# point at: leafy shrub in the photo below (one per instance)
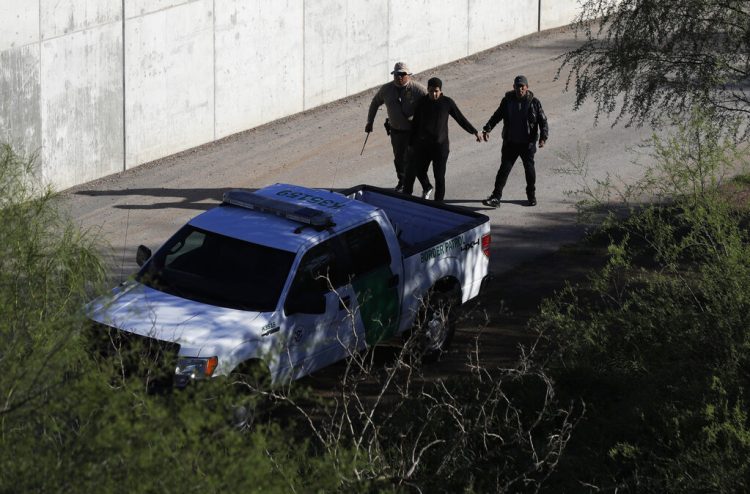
(657, 344)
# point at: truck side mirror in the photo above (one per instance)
(142, 255)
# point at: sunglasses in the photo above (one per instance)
(401, 74)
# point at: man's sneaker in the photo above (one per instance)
(399, 187)
(492, 201)
(532, 201)
(426, 194)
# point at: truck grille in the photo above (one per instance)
(131, 356)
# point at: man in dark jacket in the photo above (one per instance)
(429, 137)
(524, 122)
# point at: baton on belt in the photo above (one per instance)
(363, 145)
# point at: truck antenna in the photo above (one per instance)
(124, 245)
(335, 173)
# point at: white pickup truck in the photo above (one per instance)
(298, 278)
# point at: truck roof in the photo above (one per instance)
(275, 228)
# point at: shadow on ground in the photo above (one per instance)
(196, 199)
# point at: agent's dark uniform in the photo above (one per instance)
(524, 122)
(430, 138)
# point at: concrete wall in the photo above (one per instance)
(20, 116)
(259, 62)
(98, 86)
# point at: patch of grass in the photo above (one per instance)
(742, 180)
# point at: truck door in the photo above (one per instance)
(374, 278)
(344, 297)
(317, 310)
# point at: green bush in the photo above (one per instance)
(657, 344)
(47, 271)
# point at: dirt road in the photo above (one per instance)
(321, 148)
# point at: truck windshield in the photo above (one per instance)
(206, 267)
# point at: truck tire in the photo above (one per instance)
(438, 324)
(251, 379)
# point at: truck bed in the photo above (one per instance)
(419, 223)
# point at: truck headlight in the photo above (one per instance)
(195, 367)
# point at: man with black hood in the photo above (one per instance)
(524, 122)
(429, 137)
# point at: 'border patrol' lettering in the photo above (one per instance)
(441, 249)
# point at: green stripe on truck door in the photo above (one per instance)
(378, 304)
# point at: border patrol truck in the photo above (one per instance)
(296, 279)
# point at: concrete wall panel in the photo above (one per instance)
(259, 62)
(558, 13)
(58, 17)
(326, 50)
(345, 40)
(368, 61)
(169, 82)
(81, 105)
(426, 33)
(20, 123)
(490, 25)
(19, 23)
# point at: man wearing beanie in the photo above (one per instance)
(399, 97)
(524, 122)
(429, 136)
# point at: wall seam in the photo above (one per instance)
(124, 102)
(41, 88)
(346, 36)
(389, 60)
(304, 56)
(539, 17)
(213, 8)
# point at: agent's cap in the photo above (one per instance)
(401, 67)
(435, 82)
(520, 80)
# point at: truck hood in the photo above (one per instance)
(200, 329)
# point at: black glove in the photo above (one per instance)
(387, 125)
(368, 128)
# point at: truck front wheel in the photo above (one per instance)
(251, 379)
